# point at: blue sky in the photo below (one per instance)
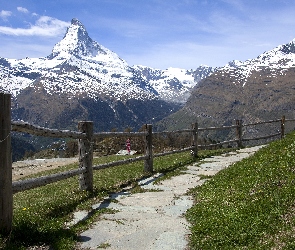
(155, 33)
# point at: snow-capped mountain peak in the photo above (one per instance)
(282, 55)
(77, 43)
(288, 48)
(277, 60)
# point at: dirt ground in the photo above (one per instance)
(24, 168)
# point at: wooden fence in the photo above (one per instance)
(86, 137)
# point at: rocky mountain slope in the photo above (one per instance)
(82, 79)
(259, 89)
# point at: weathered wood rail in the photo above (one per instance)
(86, 137)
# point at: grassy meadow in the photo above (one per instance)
(250, 205)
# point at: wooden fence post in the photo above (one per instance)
(283, 127)
(148, 164)
(195, 139)
(6, 197)
(239, 132)
(85, 148)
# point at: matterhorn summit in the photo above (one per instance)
(77, 42)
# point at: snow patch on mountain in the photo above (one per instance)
(277, 60)
(173, 83)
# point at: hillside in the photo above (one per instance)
(249, 205)
(256, 90)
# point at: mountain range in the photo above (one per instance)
(259, 89)
(83, 80)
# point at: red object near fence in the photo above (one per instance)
(128, 145)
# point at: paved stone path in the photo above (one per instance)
(153, 220)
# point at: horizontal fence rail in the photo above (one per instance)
(218, 128)
(40, 131)
(173, 132)
(262, 137)
(173, 152)
(118, 134)
(86, 138)
(118, 163)
(262, 122)
(18, 186)
(217, 144)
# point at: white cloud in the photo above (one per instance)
(4, 14)
(44, 26)
(22, 9)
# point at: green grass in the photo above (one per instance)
(40, 215)
(249, 205)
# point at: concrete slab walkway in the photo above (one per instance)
(153, 219)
